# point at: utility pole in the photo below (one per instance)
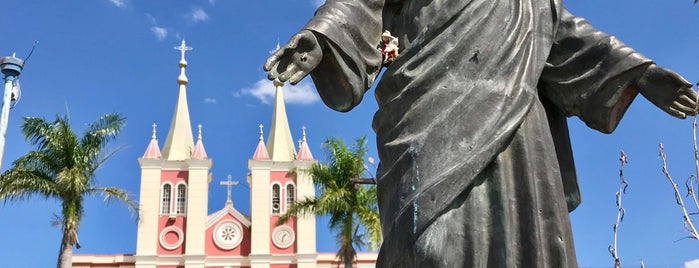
(11, 67)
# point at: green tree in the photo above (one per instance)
(352, 208)
(62, 167)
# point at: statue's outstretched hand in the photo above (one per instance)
(669, 91)
(296, 59)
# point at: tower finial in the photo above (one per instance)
(261, 132)
(183, 48)
(154, 125)
(229, 183)
(303, 133)
(199, 137)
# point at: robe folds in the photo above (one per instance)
(476, 166)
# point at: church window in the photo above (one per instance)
(290, 195)
(181, 198)
(276, 193)
(166, 198)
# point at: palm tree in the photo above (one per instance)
(63, 168)
(352, 208)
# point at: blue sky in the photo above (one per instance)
(102, 56)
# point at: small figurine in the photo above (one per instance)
(389, 47)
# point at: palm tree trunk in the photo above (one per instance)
(65, 254)
(348, 259)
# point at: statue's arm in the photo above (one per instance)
(342, 57)
(595, 76)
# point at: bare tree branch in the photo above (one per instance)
(623, 184)
(678, 197)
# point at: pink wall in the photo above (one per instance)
(282, 266)
(282, 177)
(227, 266)
(241, 250)
(174, 177)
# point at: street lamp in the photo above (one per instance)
(11, 67)
(372, 180)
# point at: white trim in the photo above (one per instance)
(160, 200)
(286, 191)
(216, 216)
(289, 231)
(177, 195)
(177, 231)
(271, 198)
(228, 245)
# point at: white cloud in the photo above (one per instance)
(209, 100)
(212, 2)
(692, 264)
(263, 90)
(159, 32)
(198, 14)
(118, 3)
(318, 3)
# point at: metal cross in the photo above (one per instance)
(182, 48)
(229, 183)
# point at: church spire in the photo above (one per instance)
(304, 151)
(280, 144)
(199, 152)
(153, 150)
(261, 150)
(179, 142)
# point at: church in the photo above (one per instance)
(175, 229)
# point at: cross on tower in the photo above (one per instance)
(229, 183)
(182, 48)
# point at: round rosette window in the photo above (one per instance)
(283, 236)
(228, 234)
(171, 237)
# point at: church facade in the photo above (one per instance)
(175, 229)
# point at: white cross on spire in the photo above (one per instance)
(229, 183)
(183, 48)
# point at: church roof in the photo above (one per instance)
(227, 210)
(153, 150)
(199, 151)
(261, 150)
(304, 151)
(179, 142)
(280, 144)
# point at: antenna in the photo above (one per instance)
(31, 51)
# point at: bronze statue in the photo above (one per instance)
(476, 165)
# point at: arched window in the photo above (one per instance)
(290, 195)
(166, 199)
(181, 198)
(276, 193)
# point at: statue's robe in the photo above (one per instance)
(476, 167)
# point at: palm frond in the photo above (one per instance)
(102, 131)
(118, 194)
(18, 184)
(299, 208)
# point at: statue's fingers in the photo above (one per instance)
(685, 100)
(273, 59)
(685, 109)
(296, 78)
(272, 73)
(290, 70)
(676, 111)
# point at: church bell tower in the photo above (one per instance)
(174, 191)
(273, 187)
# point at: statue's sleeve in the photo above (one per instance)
(349, 31)
(590, 74)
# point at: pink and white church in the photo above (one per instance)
(175, 230)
